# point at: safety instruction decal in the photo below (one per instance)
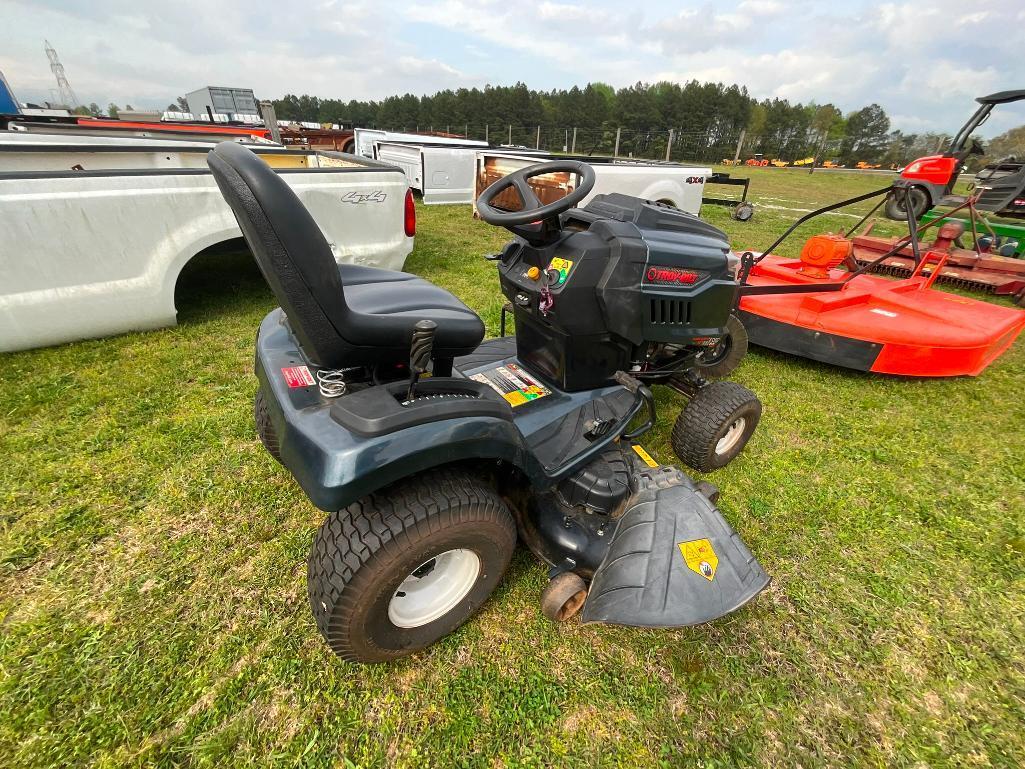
(512, 383)
(700, 557)
(298, 376)
(644, 455)
(563, 266)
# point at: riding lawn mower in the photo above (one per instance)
(929, 181)
(433, 452)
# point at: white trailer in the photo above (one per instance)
(91, 253)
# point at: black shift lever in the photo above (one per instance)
(420, 352)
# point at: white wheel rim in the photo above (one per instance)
(434, 588)
(732, 437)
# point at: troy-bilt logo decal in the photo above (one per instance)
(377, 196)
(671, 276)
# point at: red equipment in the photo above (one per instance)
(157, 126)
(965, 268)
(848, 318)
(821, 253)
(930, 180)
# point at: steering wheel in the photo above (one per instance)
(529, 222)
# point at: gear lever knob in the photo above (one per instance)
(420, 352)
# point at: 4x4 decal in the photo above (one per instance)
(377, 196)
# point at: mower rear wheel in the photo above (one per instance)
(720, 361)
(563, 597)
(405, 566)
(896, 206)
(264, 427)
(715, 425)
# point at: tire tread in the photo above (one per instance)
(702, 418)
(351, 537)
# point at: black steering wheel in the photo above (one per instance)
(529, 221)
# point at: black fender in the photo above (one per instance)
(336, 465)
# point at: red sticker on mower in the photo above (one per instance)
(298, 376)
(671, 276)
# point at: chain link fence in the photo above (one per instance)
(677, 145)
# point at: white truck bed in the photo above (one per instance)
(90, 253)
(367, 138)
(441, 174)
(25, 151)
(680, 186)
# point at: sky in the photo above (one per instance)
(923, 61)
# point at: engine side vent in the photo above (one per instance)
(670, 312)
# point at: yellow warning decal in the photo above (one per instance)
(645, 456)
(562, 266)
(700, 557)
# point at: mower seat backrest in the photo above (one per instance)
(289, 248)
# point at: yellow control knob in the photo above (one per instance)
(533, 273)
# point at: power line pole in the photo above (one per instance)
(740, 144)
(537, 144)
(510, 134)
(669, 144)
(615, 152)
(67, 95)
(574, 150)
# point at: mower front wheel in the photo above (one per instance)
(404, 567)
(715, 425)
(720, 361)
(563, 597)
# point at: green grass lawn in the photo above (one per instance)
(152, 569)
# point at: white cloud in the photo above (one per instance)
(923, 62)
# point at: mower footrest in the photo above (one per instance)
(673, 561)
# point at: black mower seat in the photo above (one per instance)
(357, 274)
(347, 315)
(383, 312)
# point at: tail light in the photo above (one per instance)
(409, 216)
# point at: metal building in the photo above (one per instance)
(230, 102)
(8, 104)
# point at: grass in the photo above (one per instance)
(152, 576)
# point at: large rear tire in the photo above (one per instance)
(264, 427)
(715, 425)
(404, 567)
(896, 206)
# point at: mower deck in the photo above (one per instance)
(877, 324)
(1001, 275)
(673, 560)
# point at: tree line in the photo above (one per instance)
(706, 120)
